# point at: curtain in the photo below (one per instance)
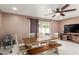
(34, 26)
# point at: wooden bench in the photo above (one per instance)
(43, 49)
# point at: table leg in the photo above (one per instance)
(57, 52)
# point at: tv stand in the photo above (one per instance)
(70, 36)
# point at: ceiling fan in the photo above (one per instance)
(61, 10)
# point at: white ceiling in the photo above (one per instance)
(40, 10)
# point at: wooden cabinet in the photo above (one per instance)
(64, 37)
(70, 36)
(75, 39)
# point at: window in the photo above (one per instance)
(44, 27)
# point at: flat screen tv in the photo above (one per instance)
(72, 28)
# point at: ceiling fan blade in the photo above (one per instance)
(62, 14)
(69, 10)
(53, 16)
(64, 6)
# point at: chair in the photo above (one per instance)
(30, 42)
(55, 36)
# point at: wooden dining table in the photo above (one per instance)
(30, 41)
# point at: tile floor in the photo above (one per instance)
(68, 48)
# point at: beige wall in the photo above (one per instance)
(15, 24)
(0, 24)
(68, 21)
(54, 27)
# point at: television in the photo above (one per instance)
(72, 28)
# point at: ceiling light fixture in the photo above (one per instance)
(14, 8)
(49, 10)
(57, 14)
